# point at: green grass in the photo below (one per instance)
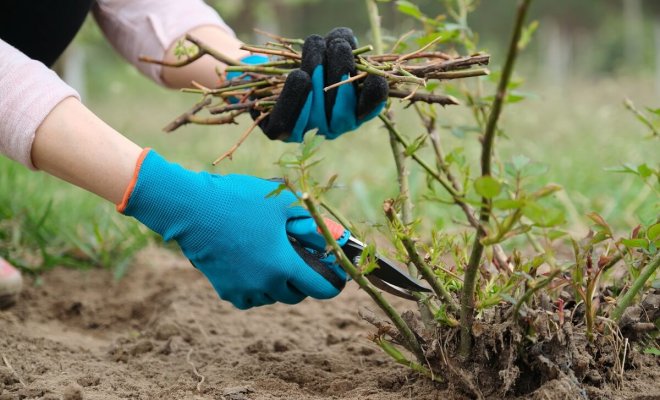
(577, 132)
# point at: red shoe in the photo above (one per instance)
(10, 284)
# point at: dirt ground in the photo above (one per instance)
(162, 333)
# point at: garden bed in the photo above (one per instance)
(161, 332)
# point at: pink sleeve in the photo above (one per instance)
(150, 27)
(28, 92)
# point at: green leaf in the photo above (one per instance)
(456, 156)
(409, 8)
(282, 187)
(654, 351)
(541, 216)
(547, 190)
(431, 86)
(655, 111)
(487, 186)
(653, 232)
(624, 169)
(600, 221)
(310, 145)
(527, 34)
(556, 234)
(520, 161)
(415, 145)
(635, 243)
(599, 237)
(515, 97)
(507, 204)
(644, 170)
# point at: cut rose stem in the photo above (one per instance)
(472, 269)
(409, 338)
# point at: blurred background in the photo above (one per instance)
(585, 59)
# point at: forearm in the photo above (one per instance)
(203, 70)
(75, 145)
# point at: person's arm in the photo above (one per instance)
(152, 28)
(75, 145)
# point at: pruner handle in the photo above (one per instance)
(307, 233)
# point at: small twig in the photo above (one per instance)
(273, 52)
(230, 153)
(13, 371)
(185, 117)
(225, 119)
(246, 105)
(623, 359)
(421, 50)
(201, 377)
(280, 39)
(401, 39)
(394, 57)
(259, 69)
(336, 214)
(453, 64)
(641, 117)
(420, 161)
(212, 52)
(444, 100)
(366, 67)
(459, 74)
(349, 80)
(401, 359)
(174, 64)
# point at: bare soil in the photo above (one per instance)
(162, 333)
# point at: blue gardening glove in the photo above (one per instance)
(231, 231)
(303, 105)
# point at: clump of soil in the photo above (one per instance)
(162, 332)
(541, 357)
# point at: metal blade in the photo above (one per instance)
(391, 289)
(387, 270)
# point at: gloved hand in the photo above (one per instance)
(230, 231)
(303, 105)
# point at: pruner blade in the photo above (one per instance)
(387, 277)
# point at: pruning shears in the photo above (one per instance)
(306, 238)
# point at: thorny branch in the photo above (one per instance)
(467, 300)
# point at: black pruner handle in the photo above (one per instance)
(317, 265)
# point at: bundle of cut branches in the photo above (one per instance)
(258, 86)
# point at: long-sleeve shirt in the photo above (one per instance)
(29, 90)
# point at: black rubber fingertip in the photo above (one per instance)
(374, 91)
(342, 33)
(285, 113)
(340, 63)
(313, 52)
